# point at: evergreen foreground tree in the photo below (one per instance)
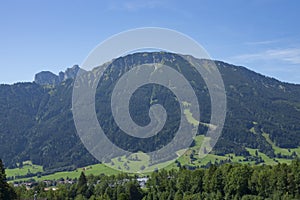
(82, 187)
(6, 192)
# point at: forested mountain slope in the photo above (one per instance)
(36, 121)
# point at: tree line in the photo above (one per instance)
(224, 182)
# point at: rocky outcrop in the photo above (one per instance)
(49, 78)
(46, 78)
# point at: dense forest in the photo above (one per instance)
(36, 121)
(224, 182)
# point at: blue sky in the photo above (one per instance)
(262, 35)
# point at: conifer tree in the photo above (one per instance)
(6, 192)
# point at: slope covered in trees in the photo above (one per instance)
(36, 122)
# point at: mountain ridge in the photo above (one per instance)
(45, 132)
(49, 78)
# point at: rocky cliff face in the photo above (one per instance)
(49, 78)
(46, 78)
(71, 72)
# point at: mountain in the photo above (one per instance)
(48, 78)
(36, 121)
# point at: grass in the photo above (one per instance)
(130, 164)
(185, 158)
(28, 167)
(190, 118)
(280, 150)
(96, 169)
(276, 148)
(268, 160)
(136, 161)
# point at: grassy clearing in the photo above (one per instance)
(268, 160)
(190, 118)
(96, 169)
(136, 162)
(282, 151)
(185, 159)
(276, 148)
(28, 167)
(139, 161)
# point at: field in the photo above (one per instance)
(28, 167)
(91, 169)
(281, 150)
(139, 162)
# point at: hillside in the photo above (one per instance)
(36, 121)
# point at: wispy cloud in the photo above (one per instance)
(134, 5)
(264, 42)
(290, 55)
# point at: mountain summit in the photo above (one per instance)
(49, 78)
